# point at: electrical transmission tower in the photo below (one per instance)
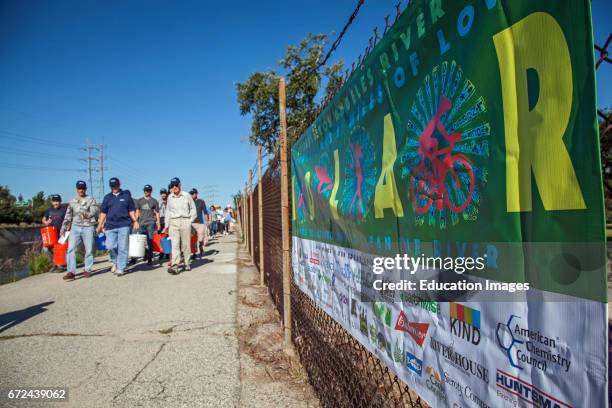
(210, 194)
(95, 169)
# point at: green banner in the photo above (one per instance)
(470, 124)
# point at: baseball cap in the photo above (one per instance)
(114, 182)
(148, 188)
(81, 184)
(56, 197)
(193, 191)
(175, 182)
(163, 191)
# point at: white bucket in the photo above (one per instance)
(137, 244)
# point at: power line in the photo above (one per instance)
(136, 175)
(30, 167)
(22, 152)
(37, 140)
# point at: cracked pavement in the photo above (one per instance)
(146, 339)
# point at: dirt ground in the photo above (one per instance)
(269, 378)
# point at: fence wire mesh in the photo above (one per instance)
(341, 370)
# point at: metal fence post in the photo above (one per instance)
(252, 240)
(246, 217)
(285, 216)
(260, 203)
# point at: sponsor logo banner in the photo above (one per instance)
(418, 331)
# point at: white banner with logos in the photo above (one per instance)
(469, 354)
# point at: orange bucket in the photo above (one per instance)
(194, 243)
(156, 242)
(49, 236)
(59, 254)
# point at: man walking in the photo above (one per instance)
(163, 194)
(199, 224)
(213, 222)
(180, 213)
(147, 214)
(80, 220)
(116, 216)
(54, 217)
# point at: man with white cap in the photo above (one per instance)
(180, 213)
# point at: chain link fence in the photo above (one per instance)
(341, 370)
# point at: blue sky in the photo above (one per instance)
(155, 82)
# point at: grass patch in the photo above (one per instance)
(40, 263)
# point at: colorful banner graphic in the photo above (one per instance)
(470, 129)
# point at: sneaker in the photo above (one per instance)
(114, 268)
(68, 276)
(119, 273)
(86, 274)
(187, 268)
(172, 271)
(149, 262)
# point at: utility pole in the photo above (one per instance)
(102, 183)
(209, 193)
(95, 164)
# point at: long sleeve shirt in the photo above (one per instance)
(180, 206)
(81, 211)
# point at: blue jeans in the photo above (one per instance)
(148, 230)
(78, 234)
(117, 244)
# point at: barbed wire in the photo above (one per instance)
(336, 43)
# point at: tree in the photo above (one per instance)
(258, 95)
(8, 211)
(39, 205)
(16, 210)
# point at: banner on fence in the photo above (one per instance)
(470, 129)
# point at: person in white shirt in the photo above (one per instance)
(180, 213)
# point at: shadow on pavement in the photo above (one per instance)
(12, 319)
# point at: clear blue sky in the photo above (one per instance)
(155, 81)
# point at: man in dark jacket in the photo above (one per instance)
(54, 217)
(117, 216)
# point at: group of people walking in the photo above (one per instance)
(176, 214)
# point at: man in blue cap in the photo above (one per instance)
(54, 217)
(117, 216)
(80, 220)
(147, 213)
(180, 213)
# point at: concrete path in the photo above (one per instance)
(145, 339)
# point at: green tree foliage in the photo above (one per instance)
(39, 204)
(8, 207)
(258, 95)
(16, 210)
